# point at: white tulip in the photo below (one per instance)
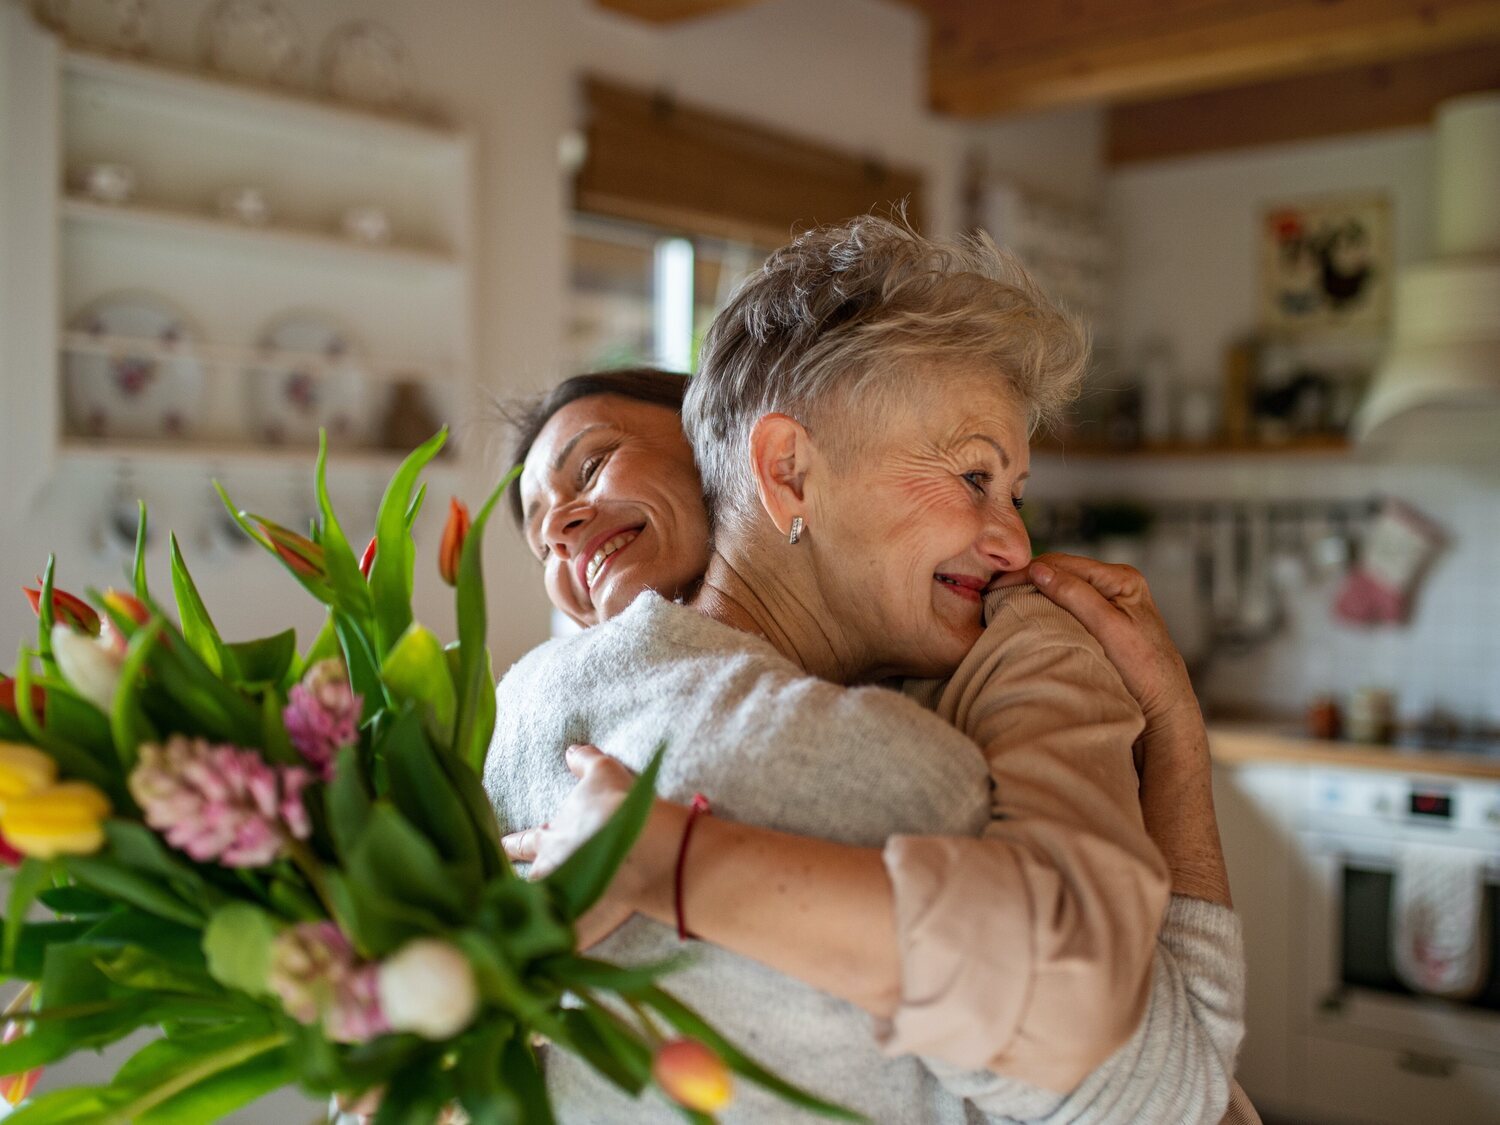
(89, 664)
(427, 986)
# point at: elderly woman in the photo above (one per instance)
(1023, 952)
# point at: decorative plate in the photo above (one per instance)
(115, 25)
(150, 384)
(254, 39)
(311, 377)
(365, 62)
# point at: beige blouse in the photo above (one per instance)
(1057, 728)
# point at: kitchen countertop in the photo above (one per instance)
(1233, 744)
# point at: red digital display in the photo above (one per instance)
(1430, 803)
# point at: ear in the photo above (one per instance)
(781, 454)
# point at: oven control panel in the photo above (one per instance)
(1423, 806)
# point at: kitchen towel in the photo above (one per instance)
(1438, 922)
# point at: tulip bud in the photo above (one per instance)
(24, 770)
(91, 667)
(127, 606)
(452, 547)
(427, 986)
(66, 609)
(693, 1076)
(300, 553)
(67, 819)
(367, 560)
(8, 699)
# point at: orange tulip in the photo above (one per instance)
(452, 547)
(66, 609)
(693, 1076)
(300, 553)
(367, 560)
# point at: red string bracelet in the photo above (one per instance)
(698, 807)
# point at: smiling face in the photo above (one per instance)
(613, 506)
(909, 529)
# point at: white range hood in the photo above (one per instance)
(1440, 381)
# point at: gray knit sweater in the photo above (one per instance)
(779, 748)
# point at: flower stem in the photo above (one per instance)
(306, 862)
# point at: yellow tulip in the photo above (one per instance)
(67, 819)
(24, 770)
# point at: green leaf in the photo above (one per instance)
(141, 849)
(583, 877)
(477, 1077)
(131, 887)
(136, 969)
(197, 626)
(76, 902)
(138, 568)
(476, 684)
(572, 971)
(613, 1051)
(519, 1068)
(416, 670)
(32, 944)
(167, 940)
(363, 668)
(277, 743)
(265, 661)
(421, 790)
(45, 620)
(351, 593)
(157, 1074)
(691, 1024)
(237, 942)
(73, 761)
(347, 802)
(30, 877)
(395, 860)
(416, 1095)
(127, 719)
(80, 1105)
(78, 723)
(325, 645)
(391, 577)
(224, 1091)
(524, 922)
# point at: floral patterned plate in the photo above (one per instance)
(137, 376)
(364, 62)
(254, 39)
(311, 376)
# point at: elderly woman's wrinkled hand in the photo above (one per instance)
(1114, 604)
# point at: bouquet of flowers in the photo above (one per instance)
(286, 863)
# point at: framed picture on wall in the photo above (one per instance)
(1326, 264)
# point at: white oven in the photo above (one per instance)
(1373, 1050)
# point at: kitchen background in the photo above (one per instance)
(523, 247)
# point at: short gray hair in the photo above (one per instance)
(847, 308)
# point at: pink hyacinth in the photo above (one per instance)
(218, 802)
(322, 715)
(318, 978)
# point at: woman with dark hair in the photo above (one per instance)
(993, 904)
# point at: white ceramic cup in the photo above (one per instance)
(367, 223)
(246, 204)
(109, 183)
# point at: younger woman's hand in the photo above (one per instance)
(603, 784)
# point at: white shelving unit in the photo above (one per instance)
(407, 306)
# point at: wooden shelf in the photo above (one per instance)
(229, 455)
(237, 96)
(161, 220)
(379, 368)
(1331, 445)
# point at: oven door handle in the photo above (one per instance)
(1370, 855)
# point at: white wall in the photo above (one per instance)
(1188, 271)
(847, 72)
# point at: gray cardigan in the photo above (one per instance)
(776, 747)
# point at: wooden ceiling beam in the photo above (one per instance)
(671, 11)
(1347, 100)
(994, 56)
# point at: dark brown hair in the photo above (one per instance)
(641, 384)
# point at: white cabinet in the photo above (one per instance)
(405, 306)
